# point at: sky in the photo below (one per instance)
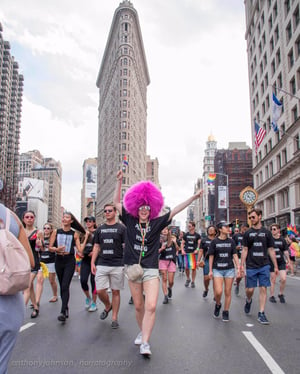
(197, 61)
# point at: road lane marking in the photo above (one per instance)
(264, 354)
(24, 327)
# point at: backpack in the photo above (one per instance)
(14, 262)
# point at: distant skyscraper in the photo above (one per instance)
(34, 165)
(209, 189)
(11, 92)
(273, 47)
(152, 170)
(122, 81)
(89, 188)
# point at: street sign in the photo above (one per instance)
(207, 218)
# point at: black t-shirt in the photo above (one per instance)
(133, 244)
(204, 245)
(223, 251)
(111, 239)
(46, 256)
(238, 239)
(88, 246)
(65, 238)
(169, 253)
(191, 242)
(258, 241)
(280, 245)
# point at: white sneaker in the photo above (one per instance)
(88, 303)
(93, 307)
(145, 349)
(138, 339)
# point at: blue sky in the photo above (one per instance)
(196, 54)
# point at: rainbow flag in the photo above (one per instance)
(125, 162)
(211, 178)
(292, 230)
(190, 261)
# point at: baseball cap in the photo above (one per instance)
(222, 224)
(90, 218)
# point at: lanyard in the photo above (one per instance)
(143, 233)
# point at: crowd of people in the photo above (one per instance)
(142, 237)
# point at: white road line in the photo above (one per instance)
(264, 354)
(24, 327)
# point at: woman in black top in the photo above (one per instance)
(62, 242)
(35, 238)
(48, 258)
(143, 238)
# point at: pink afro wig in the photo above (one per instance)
(143, 193)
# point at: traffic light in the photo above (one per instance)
(237, 222)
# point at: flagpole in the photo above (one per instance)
(286, 92)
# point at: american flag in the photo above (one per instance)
(259, 135)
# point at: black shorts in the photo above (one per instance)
(281, 266)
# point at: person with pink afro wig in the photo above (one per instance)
(143, 203)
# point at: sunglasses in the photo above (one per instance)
(47, 228)
(146, 207)
(32, 217)
(108, 210)
(252, 217)
(274, 228)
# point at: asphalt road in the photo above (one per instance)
(186, 338)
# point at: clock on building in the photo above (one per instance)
(248, 196)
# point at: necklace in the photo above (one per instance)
(143, 233)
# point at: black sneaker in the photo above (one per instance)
(205, 293)
(262, 318)
(187, 283)
(169, 292)
(193, 285)
(247, 306)
(217, 310)
(130, 300)
(281, 299)
(166, 300)
(225, 316)
(61, 317)
(272, 299)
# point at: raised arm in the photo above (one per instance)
(184, 204)
(117, 193)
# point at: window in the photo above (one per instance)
(275, 11)
(124, 82)
(267, 172)
(270, 205)
(263, 39)
(124, 92)
(271, 169)
(289, 32)
(273, 67)
(297, 47)
(270, 23)
(297, 142)
(261, 68)
(284, 156)
(124, 71)
(265, 60)
(124, 103)
(287, 6)
(278, 57)
(278, 160)
(294, 113)
(123, 146)
(296, 17)
(125, 26)
(291, 59)
(271, 45)
(293, 86)
(279, 80)
(276, 34)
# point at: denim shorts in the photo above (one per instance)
(260, 277)
(206, 267)
(148, 275)
(228, 273)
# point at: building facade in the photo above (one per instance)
(273, 48)
(209, 189)
(34, 165)
(89, 188)
(122, 121)
(233, 168)
(152, 167)
(11, 93)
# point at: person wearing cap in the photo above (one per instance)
(223, 259)
(258, 247)
(107, 263)
(143, 203)
(85, 269)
